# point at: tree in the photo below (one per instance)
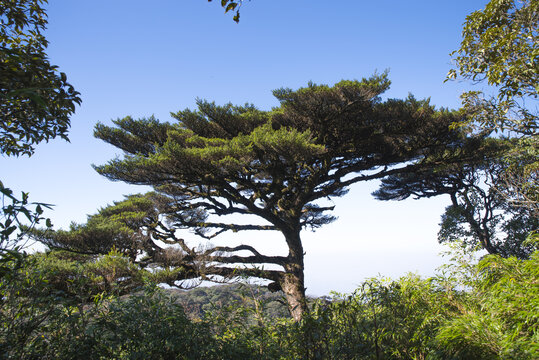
(501, 45)
(35, 105)
(496, 193)
(277, 165)
(479, 214)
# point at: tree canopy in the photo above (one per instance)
(280, 165)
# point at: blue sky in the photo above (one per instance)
(139, 58)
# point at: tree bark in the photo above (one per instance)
(292, 282)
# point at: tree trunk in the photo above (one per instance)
(292, 282)
(481, 232)
(484, 238)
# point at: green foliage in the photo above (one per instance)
(383, 319)
(280, 166)
(481, 213)
(520, 180)
(85, 277)
(119, 226)
(200, 301)
(149, 325)
(141, 326)
(35, 105)
(61, 305)
(469, 311)
(502, 320)
(232, 5)
(46, 299)
(484, 311)
(16, 215)
(35, 100)
(500, 45)
(493, 191)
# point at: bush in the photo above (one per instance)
(503, 320)
(47, 312)
(487, 310)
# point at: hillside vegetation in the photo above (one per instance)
(487, 310)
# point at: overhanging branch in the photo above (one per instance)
(256, 258)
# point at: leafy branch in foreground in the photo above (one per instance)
(36, 102)
(500, 45)
(232, 5)
(16, 217)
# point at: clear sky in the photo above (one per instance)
(144, 58)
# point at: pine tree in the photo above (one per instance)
(280, 165)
